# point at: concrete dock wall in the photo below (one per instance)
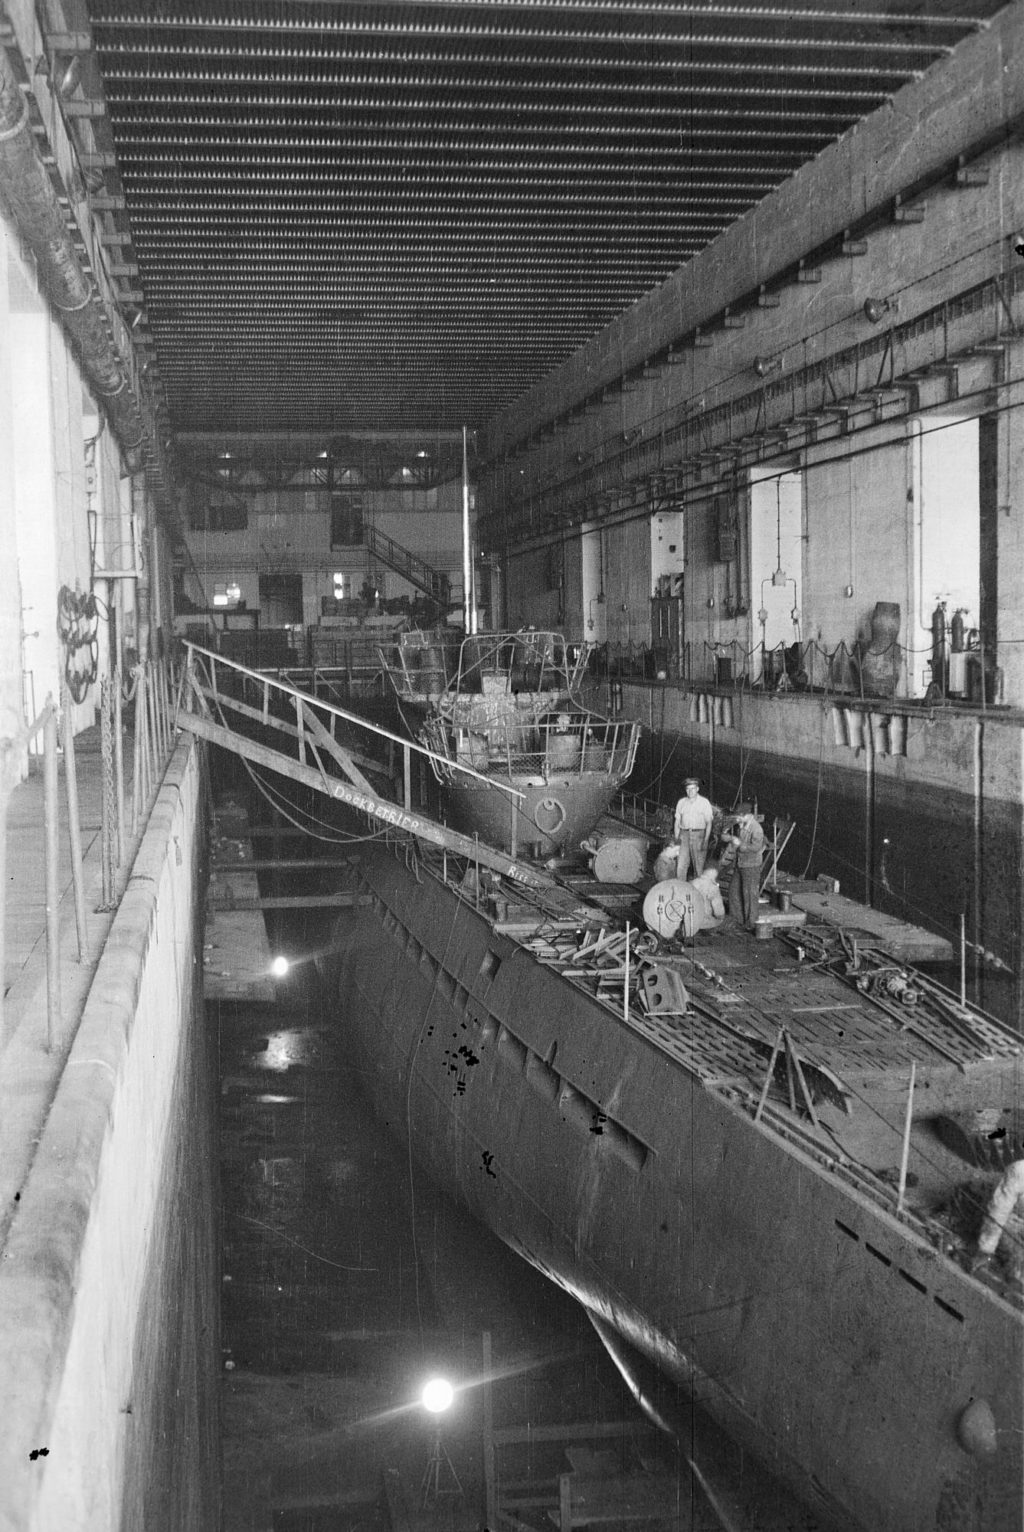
(109, 1281)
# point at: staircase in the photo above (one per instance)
(432, 582)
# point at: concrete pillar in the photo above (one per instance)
(35, 517)
(10, 588)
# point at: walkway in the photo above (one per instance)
(25, 912)
(35, 1033)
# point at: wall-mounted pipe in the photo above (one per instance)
(28, 194)
(143, 610)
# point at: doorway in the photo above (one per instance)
(280, 600)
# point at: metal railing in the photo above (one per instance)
(433, 582)
(146, 701)
(359, 675)
(229, 704)
(566, 745)
(421, 665)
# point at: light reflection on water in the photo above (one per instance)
(346, 1284)
(286, 1050)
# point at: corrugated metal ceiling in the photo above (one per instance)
(398, 215)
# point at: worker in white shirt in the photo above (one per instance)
(1004, 1217)
(694, 817)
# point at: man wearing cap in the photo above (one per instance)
(692, 828)
(748, 838)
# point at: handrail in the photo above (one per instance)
(153, 744)
(433, 582)
(266, 680)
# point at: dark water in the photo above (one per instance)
(348, 1280)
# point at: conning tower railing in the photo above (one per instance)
(424, 665)
(563, 745)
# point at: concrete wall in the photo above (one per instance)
(532, 592)
(61, 490)
(10, 583)
(109, 1285)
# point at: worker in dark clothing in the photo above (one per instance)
(744, 887)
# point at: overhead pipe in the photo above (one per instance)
(28, 193)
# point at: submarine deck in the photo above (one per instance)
(824, 1037)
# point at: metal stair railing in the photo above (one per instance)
(433, 582)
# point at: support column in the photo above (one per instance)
(10, 584)
(1008, 535)
(1008, 527)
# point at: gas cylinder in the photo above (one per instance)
(939, 629)
(956, 629)
(939, 651)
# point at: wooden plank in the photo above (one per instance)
(282, 863)
(269, 720)
(378, 808)
(273, 832)
(342, 757)
(595, 1430)
(204, 693)
(287, 902)
(564, 1517)
(908, 943)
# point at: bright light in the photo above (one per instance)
(437, 1396)
(279, 967)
